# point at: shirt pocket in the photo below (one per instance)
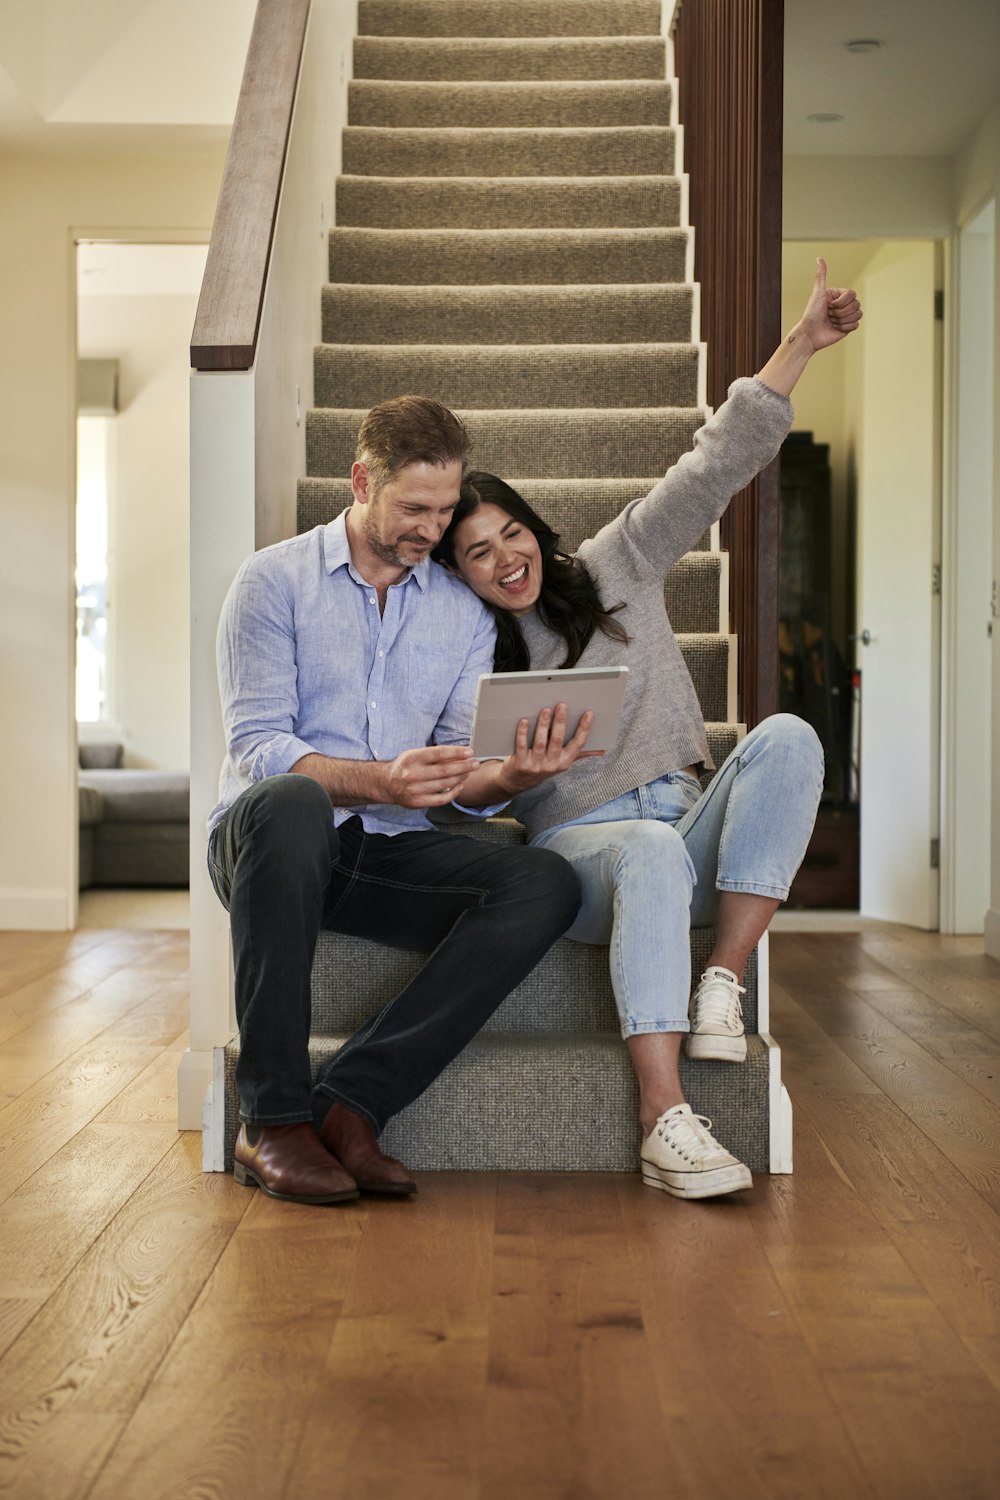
(432, 670)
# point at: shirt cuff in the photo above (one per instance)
(278, 755)
(482, 812)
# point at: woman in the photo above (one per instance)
(655, 854)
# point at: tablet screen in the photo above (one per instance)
(505, 697)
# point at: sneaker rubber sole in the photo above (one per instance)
(709, 1045)
(697, 1184)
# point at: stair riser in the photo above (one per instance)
(621, 152)
(507, 203)
(516, 105)
(690, 593)
(520, 18)
(506, 315)
(589, 375)
(545, 444)
(541, 59)
(560, 1105)
(576, 508)
(519, 257)
(568, 991)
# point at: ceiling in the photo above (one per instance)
(921, 94)
(122, 76)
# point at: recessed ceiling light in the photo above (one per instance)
(825, 119)
(864, 44)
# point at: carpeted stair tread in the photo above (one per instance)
(518, 257)
(508, 202)
(374, 102)
(494, 18)
(510, 59)
(509, 375)
(576, 508)
(354, 314)
(534, 1103)
(606, 151)
(548, 444)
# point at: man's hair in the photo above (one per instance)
(409, 430)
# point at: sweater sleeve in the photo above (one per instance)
(737, 442)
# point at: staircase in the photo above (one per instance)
(511, 239)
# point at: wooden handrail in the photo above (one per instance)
(232, 292)
(729, 62)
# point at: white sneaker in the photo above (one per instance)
(682, 1157)
(717, 1029)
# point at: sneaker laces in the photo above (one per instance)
(688, 1133)
(719, 1002)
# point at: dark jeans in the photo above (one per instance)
(485, 914)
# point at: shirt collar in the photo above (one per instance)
(337, 554)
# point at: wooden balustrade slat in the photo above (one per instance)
(729, 60)
(232, 293)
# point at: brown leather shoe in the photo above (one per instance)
(352, 1141)
(289, 1161)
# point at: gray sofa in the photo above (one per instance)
(134, 824)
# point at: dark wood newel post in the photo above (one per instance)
(729, 58)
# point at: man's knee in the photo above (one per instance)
(547, 878)
(291, 812)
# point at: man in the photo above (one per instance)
(348, 665)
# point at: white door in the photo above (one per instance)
(898, 615)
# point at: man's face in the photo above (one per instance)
(408, 516)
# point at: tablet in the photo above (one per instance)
(505, 697)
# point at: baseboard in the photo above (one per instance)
(992, 932)
(44, 910)
(194, 1077)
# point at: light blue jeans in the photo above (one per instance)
(652, 863)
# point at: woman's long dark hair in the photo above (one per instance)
(568, 603)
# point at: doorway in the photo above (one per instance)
(873, 407)
(135, 310)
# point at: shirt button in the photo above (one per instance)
(372, 599)
(381, 653)
(374, 704)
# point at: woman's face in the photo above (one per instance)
(499, 559)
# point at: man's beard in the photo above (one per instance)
(387, 552)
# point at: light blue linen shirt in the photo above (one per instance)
(308, 665)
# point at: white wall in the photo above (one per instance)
(45, 201)
(977, 180)
(149, 336)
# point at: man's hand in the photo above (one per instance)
(430, 777)
(831, 312)
(549, 752)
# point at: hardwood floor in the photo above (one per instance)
(832, 1334)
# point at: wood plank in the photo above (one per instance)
(404, 1381)
(960, 1121)
(27, 956)
(15, 1315)
(226, 1410)
(736, 1380)
(892, 1366)
(156, 1008)
(939, 1224)
(115, 967)
(97, 1172)
(974, 995)
(41, 1121)
(571, 1382)
(151, 1097)
(69, 1384)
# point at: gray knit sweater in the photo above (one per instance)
(662, 728)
